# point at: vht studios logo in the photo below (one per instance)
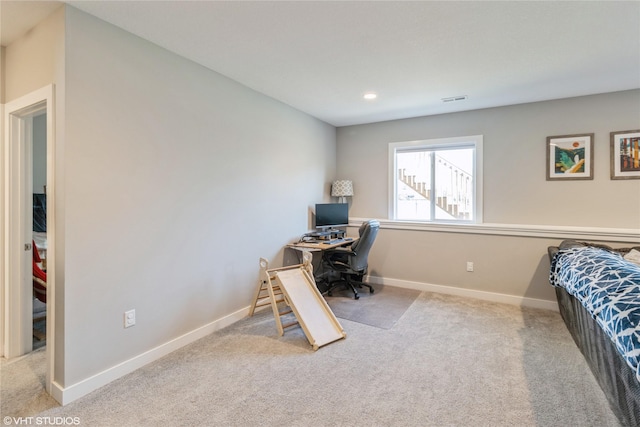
(41, 421)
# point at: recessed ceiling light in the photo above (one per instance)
(370, 95)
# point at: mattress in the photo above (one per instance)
(608, 287)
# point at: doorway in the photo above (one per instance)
(39, 227)
(17, 224)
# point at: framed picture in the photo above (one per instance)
(625, 154)
(570, 157)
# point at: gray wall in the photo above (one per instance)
(35, 60)
(39, 153)
(515, 189)
(2, 74)
(516, 194)
(172, 181)
(177, 181)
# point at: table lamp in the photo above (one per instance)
(342, 189)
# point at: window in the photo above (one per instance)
(437, 180)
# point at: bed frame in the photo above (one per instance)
(615, 376)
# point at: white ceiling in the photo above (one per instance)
(322, 56)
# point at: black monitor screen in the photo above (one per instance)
(332, 214)
(40, 212)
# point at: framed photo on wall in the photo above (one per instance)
(625, 154)
(570, 157)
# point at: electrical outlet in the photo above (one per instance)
(129, 318)
(469, 266)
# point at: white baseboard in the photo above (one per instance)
(66, 395)
(469, 293)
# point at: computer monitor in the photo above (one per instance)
(332, 215)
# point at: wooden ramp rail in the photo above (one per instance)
(295, 287)
(270, 293)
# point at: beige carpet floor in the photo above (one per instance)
(447, 361)
(22, 382)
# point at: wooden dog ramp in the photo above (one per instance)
(295, 287)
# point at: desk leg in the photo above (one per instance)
(293, 256)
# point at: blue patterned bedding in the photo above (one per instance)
(608, 286)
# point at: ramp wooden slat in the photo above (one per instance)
(269, 293)
(262, 296)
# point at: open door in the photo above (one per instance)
(17, 219)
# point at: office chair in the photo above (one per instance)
(351, 262)
(39, 293)
(39, 276)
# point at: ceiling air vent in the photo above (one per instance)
(454, 98)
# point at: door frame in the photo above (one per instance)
(16, 287)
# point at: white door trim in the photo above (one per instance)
(16, 173)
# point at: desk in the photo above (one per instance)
(322, 246)
(315, 249)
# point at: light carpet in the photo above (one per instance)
(22, 382)
(448, 361)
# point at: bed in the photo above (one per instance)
(598, 292)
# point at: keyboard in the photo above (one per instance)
(334, 241)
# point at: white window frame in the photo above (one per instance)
(474, 141)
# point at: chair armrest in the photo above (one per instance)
(338, 258)
(339, 250)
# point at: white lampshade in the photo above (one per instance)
(342, 188)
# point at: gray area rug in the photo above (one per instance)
(381, 309)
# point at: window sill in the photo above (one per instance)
(622, 235)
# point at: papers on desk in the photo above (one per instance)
(322, 244)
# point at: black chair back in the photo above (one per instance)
(368, 232)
